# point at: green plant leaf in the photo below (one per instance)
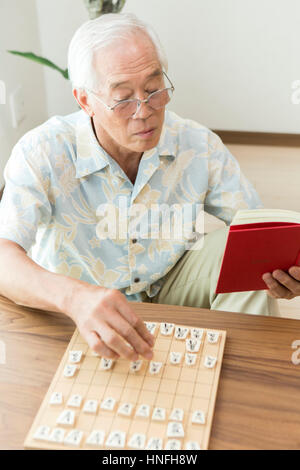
(109, 6)
(41, 60)
(97, 8)
(118, 6)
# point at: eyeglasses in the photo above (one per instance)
(129, 108)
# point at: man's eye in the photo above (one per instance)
(149, 92)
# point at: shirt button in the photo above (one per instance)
(136, 279)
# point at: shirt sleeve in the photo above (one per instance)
(25, 204)
(228, 189)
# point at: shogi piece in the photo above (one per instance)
(56, 398)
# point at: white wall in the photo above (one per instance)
(19, 31)
(58, 21)
(233, 61)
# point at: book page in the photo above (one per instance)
(248, 216)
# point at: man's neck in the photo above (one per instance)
(127, 160)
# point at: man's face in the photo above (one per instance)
(128, 69)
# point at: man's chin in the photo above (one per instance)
(142, 145)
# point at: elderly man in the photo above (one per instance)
(74, 180)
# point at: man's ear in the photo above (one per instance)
(81, 97)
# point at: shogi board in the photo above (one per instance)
(189, 388)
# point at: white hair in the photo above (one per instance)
(99, 33)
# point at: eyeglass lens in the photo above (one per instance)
(156, 101)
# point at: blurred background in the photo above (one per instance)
(233, 62)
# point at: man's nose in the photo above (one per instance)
(143, 110)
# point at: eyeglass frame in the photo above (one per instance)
(137, 100)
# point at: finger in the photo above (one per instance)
(127, 312)
(97, 345)
(269, 293)
(115, 342)
(287, 297)
(289, 282)
(118, 323)
(295, 272)
(277, 290)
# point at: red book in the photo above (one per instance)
(255, 248)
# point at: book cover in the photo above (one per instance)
(255, 248)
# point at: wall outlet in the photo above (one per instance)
(17, 106)
(2, 92)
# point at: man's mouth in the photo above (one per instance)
(146, 133)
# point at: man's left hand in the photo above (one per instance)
(282, 285)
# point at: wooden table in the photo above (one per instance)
(258, 402)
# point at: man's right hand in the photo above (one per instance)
(108, 323)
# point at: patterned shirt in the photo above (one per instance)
(73, 207)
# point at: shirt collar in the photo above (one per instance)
(91, 157)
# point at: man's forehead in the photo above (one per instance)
(113, 84)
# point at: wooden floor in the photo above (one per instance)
(274, 172)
